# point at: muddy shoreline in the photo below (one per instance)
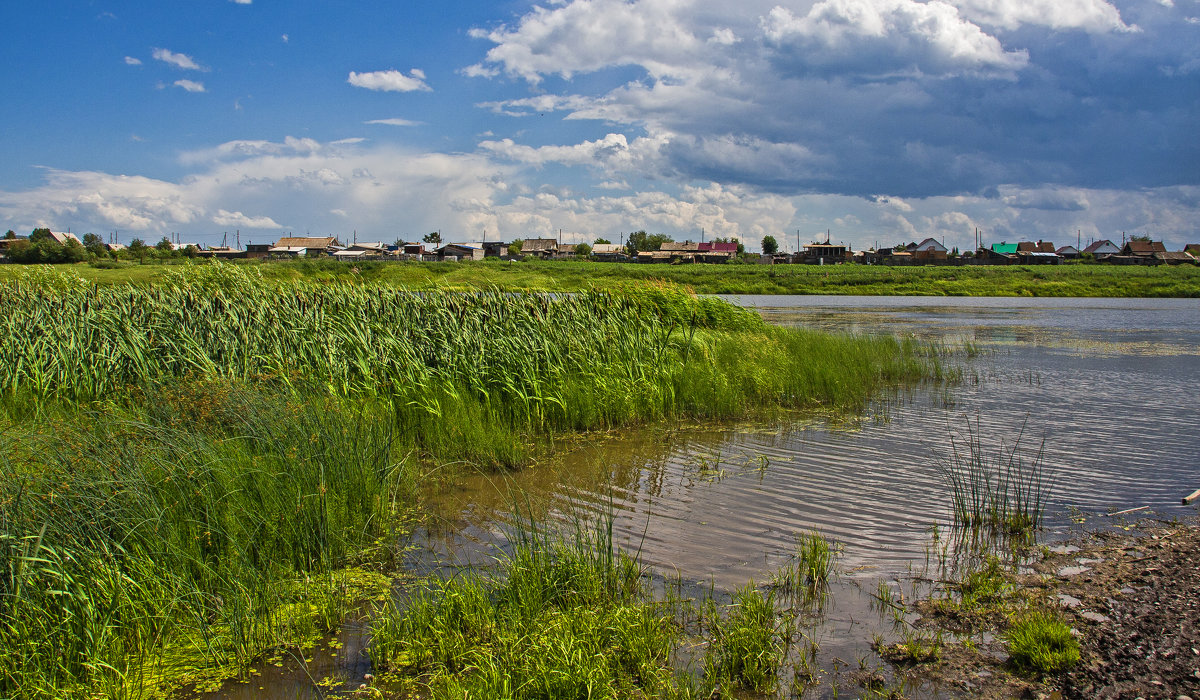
(1131, 596)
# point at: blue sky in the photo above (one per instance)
(878, 120)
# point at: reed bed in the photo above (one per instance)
(465, 374)
(138, 549)
(187, 469)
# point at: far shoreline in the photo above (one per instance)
(1072, 280)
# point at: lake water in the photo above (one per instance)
(1106, 388)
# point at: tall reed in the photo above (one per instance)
(1004, 492)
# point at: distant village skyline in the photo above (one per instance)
(877, 120)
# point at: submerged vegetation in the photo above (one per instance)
(201, 470)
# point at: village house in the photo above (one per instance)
(824, 253)
(1174, 257)
(716, 252)
(1143, 249)
(459, 251)
(1003, 253)
(1039, 253)
(307, 246)
(543, 248)
(927, 250)
(1068, 252)
(1099, 249)
(608, 252)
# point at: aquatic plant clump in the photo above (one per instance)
(563, 618)
(188, 468)
(1004, 493)
(1041, 642)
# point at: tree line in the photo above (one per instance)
(41, 248)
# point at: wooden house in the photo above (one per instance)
(539, 247)
(1102, 248)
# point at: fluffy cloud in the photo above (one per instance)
(102, 201)
(394, 122)
(178, 60)
(390, 80)
(190, 85)
(901, 97)
(588, 35)
(1087, 15)
(237, 219)
(884, 38)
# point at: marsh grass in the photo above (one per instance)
(188, 467)
(805, 579)
(137, 546)
(1041, 642)
(473, 376)
(1003, 493)
(1072, 280)
(565, 616)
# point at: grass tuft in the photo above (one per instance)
(1040, 642)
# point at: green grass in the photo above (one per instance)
(745, 650)
(467, 376)
(563, 618)
(191, 468)
(1040, 642)
(1069, 280)
(145, 546)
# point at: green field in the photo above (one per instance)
(1068, 280)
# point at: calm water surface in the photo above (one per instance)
(1106, 386)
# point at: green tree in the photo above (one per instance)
(164, 247)
(40, 234)
(95, 245)
(433, 237)
(73, 252)
(640, 240)
(139, 249)
(583, 250)
(10, 234)
(514, 249)
(769, 245)
(600, 241)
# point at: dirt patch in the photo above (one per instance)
(1132, 600)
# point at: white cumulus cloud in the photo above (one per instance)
(178, 60)
(887, 37)
(236, 219)
(190, 85)
(395, 121)
(390, 80)
(1087, 15)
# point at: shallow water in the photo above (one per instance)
(1104, 387)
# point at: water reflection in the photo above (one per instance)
(1107, 384)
